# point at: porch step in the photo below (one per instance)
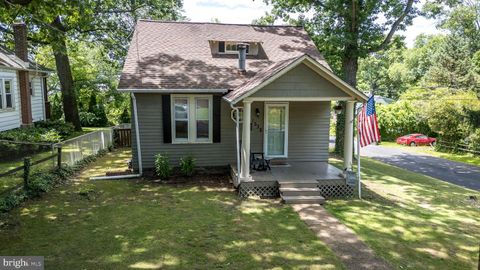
(299, 184)
(303, 199)
(303, 191)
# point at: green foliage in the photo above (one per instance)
(453, 115)
(187, 165)
(63, 129)
(43, 131)
(400, 118)
(474, 140)
(125, 116)
(385, 73)
(41, 182)
(343, 31)
(452, 65)
(11, 201)
(162, 166)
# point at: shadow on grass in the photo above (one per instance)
(138, 225)
(413, 221)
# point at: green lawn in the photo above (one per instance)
(413, 221)
(139, 225)
(428, 150)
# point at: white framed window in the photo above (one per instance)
(192, 118)
(6, 94)
(230, 47)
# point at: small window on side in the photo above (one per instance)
(8, 94)
(30, 86)
(221, 46)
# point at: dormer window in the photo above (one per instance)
(229, 47)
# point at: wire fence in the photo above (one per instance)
(76, 149)
(20, 159)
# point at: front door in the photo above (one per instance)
(276, 130)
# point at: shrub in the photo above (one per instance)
(43, 131)
(41, 182)
(162, 166)
(88, 119)
(63, 128)
(187, 165)
(12, 200)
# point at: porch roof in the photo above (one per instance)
(274, 71)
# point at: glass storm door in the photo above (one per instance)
(276, 130)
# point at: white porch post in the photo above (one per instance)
(348, 139)
(245, 166)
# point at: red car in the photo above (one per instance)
(416, 139)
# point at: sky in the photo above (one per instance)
(245, 11)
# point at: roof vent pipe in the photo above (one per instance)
(242, 56)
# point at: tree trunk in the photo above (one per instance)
(350, 68)
(64, 71)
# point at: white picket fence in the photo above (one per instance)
(78, 148)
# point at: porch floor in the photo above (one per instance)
(307, 171)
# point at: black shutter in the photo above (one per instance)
(217, 102)
(221, 46)
(167, 119)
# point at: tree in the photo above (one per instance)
(56, 22)
(459, 17)
(385, 73)
(452, 65)
(346, 31)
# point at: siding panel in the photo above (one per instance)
(10, 118)
(37, 99)
(309, 131)
(300, 82)
(151, 135)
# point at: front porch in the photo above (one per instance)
(296, 178)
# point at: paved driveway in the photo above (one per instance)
(454, 172)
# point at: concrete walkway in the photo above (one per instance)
(353, 252)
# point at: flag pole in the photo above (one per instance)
(358, 165)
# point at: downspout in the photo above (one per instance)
(137, 136)
(237, 135)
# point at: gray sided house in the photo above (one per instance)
(228, 94)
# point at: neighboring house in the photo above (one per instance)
(23, 92)
(188, 80)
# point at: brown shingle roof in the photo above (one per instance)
(177, 55)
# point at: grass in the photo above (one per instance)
(85, 130)
(140, 225)
(413, 221)
(459, 157)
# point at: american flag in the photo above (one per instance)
(367, 124)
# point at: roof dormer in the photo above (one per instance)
(230, 46)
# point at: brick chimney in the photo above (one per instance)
(20, 38)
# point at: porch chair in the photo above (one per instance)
(258, 162)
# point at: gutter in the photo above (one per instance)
(180, 91)
(115, 177)
(137, 136)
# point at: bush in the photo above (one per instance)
(41, 182)
(43, 131)
(63, 128)
(187, 165)
(162, 166)
(88, 119)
